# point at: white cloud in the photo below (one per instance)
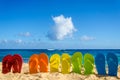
(26, 34)
(63, 28)
(86, 38)
(4, 41)
(19, 41)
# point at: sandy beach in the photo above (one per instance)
(24, 75)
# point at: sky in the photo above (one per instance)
(59, 24)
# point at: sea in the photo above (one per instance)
(26, 53)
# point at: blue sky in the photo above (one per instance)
(60, 24)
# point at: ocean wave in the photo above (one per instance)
(50, 49)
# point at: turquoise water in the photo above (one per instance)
(26, 53)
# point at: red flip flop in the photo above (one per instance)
(16, 63)
(6, 64)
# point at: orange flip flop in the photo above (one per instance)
(43, 62)
(33, 64)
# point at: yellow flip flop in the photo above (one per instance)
(66, 63)
(54, 63)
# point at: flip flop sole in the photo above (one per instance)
(88, 63)
(112, 62)
(54, 62)
(17, 63)
(33, 64)
(100, 64)
(43, 62)
(66, 62)
(6, 64)
(76, 62)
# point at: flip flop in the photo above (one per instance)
(16, 63)
(54, 63)
(33, 64)
(88, 63)
(66, 62)
(100, 64)
(112, 62)
(77, 62)
(6, 64)
(43, 62)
